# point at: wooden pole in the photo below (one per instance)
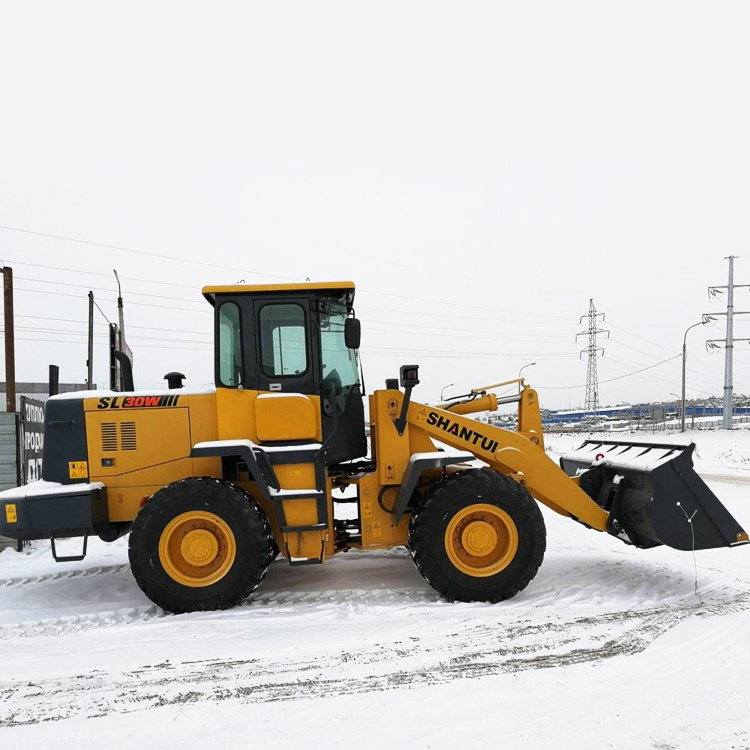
(10, 352)
(90, 360)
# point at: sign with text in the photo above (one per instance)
(32, 439)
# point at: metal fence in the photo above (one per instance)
(667, 425)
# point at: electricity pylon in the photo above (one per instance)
(592, 379)
(728, 342)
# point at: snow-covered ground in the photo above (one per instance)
(608, 647)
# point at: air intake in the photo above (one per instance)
(109, 436)
(127, 436)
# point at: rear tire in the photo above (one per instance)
(477, 536)
(200, 544)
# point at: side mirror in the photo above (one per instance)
(352, 333)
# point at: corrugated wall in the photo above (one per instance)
(8, 459)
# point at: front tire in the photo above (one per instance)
(477, 536)
(200, 544)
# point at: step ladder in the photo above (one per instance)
(269, 456)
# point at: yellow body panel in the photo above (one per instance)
(146, 447)
(378, 529)
(287, 417)
(242, 416)
(135, 439)
(235, 414)
(392, 451)
(209, 292)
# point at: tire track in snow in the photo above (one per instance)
(435, 658)
(70, 624)
(63, 575)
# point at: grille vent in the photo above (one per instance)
(127, 440)
(109, 436)
(127, 436)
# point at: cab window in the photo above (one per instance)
(230, 345)
(339, 363)
(283, 340)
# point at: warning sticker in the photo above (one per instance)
(78, 469)
(10, 513)
(376, 529)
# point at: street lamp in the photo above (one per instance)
(706, 319)
(450, 385)
(531, 364)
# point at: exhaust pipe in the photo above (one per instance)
(653, 495)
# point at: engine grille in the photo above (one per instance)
(109, 436)
(127, 437)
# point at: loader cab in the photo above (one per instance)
(295, 339)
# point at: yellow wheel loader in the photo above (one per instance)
(213, 484)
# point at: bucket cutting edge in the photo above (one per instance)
(653, 495)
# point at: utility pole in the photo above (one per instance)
(592, 379)
(10, 347)
(90, 360)
(728, 342)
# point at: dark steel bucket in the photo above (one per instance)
(653, 495)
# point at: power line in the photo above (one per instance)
(107, 299)
(241, 270)
(609, 380)
(103, 289)
(99, 273)
(555, 321)
(130, 326)
(124, 249)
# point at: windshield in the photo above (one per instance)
(339, 363)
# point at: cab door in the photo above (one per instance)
(342, 406)
(286, 360)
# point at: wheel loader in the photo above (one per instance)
(213, 484)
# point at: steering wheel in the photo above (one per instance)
(332, 379)
(331, 382)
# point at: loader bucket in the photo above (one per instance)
(653, 495)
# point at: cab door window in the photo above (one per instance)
(283, 340)
(230, 345)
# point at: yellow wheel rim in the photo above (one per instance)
(481, 540)
(197, 548)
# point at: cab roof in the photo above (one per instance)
(210, 292)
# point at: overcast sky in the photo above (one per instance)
(479, 170)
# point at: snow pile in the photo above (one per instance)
(608, 647)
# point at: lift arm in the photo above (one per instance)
(520, 454)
